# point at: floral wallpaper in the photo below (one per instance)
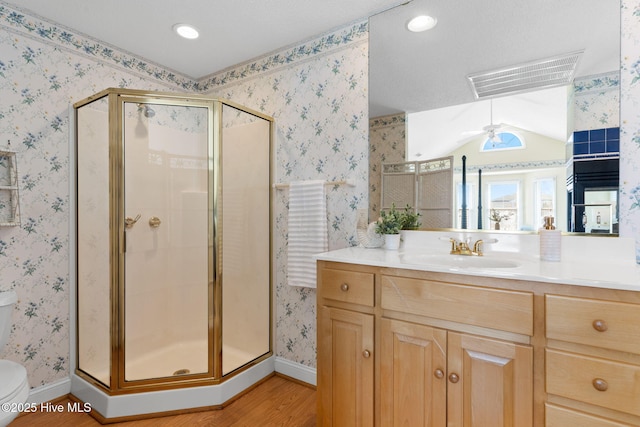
(630, 122)
(41, 75)
(320, 111)
(596, 101)
(317, 92)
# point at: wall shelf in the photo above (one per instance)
(9, 196)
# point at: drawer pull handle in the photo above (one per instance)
(600, 325)
(439, 374)
(344, 287)
(366, 354)
(454, 378)
(600, 384)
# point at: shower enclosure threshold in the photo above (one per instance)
(127, 405)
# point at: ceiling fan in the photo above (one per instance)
(491, 130)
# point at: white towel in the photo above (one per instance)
(307, 231)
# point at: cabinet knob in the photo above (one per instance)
(454, 378)
(366, 354)
(344, 287)
(439, 374)
(600, 325)
(600, 384)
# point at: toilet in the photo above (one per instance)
(14, 387)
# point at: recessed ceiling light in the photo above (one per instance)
(186, 31)
(421, 23)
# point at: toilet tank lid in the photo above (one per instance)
(8, 297)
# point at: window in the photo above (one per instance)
(504, 204)
(544, 193)
(504, 141)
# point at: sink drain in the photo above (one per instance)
(181, 372)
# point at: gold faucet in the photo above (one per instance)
(462, 247)
(477, 247)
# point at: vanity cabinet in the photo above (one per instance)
(417, 348)
(593, 359)
(447, 374)
(436, 378)
(419, 352)
(346, 341)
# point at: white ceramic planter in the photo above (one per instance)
(392, 241)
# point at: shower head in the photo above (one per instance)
(146, 110)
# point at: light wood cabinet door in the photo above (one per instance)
(490, 382)
(345, 368)
(413, 368)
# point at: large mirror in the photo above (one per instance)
(520, 148)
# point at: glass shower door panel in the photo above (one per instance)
(166, 261)
(245, 238)
(93, 235)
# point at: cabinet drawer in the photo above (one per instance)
(347, 286)
(606, 324)
(510, 311)
(593, 380)
(557, 416)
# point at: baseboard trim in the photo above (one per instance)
(49, 392)
(295, 370)
(123, 406)
(61, 388)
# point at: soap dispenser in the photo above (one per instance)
(549, 241)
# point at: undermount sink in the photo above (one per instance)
(459, 261)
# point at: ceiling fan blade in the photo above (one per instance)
(468, 138)
(472, 132)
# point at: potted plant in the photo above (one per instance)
(409, 219)
(497, 218)
(389, 225)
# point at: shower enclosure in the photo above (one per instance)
(173, 240)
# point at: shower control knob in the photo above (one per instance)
(154, 222)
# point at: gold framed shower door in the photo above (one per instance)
(132, 230)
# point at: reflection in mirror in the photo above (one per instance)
(416, 76)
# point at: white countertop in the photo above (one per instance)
(610, 272)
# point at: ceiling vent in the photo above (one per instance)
(545, 73)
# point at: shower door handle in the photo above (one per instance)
(130, 222)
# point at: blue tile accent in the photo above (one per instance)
(581, 136)
(596, 147)
(613, 133)
(581, 148)
(597, 135)
(596, 141)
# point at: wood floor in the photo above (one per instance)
(277, 401)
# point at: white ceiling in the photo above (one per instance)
(421, 71)
(543, 112)
(426, 73)
(231, 31)
(408, 72)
